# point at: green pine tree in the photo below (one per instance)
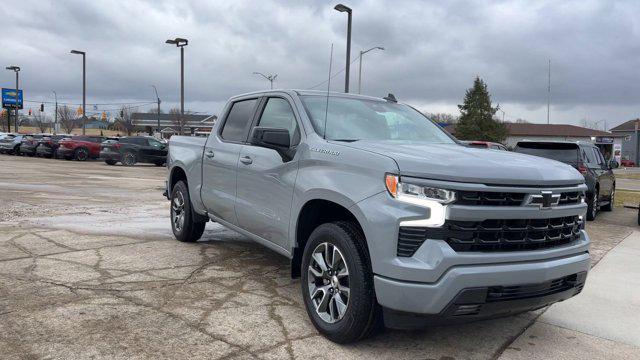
(476, 116)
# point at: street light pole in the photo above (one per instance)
(84, 89)
(16, 69)
(270, 78)
(55, 121)
(158, 98)
(343, 8)
(360, 66)
(181, 43)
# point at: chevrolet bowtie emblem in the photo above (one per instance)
(544, 200)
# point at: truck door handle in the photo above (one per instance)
(209, 154)
(246, 160)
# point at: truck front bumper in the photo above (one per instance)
(469, 293)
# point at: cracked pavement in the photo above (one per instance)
(89, 269)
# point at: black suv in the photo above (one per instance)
(588, 160)
(132, 149)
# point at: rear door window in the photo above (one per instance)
(236, 126)
(590, 156)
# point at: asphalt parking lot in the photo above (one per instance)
(89, 269)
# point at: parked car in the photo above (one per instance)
(11, 144)
(80, 148)
(485, 145)
(30, 144)
(49, 145)
(588, 160)
(354, 190)
(133, 149)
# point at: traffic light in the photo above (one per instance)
(41, 107)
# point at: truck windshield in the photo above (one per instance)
(349, 119)
(567, 153)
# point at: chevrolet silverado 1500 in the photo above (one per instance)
(386, 218)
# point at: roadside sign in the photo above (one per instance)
(9, 98)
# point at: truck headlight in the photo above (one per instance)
(399, 189)
(432, 198)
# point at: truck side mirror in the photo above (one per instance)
(613, 164)
(272, 138)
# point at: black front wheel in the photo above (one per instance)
(337, 283)
(183, 224)
(110, 162)
(612, 198)
(592, 205)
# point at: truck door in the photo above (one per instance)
(266, 180)
(220, 160)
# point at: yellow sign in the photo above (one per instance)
(79, 112)
(104, 116)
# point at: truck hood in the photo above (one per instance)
(453, 162)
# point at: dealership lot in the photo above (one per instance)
(89, 267)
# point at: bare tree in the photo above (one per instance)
(40, 121)
(66, 118)
(442, 118)
(179, 120)
(125, 121)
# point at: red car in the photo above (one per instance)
(80, 148)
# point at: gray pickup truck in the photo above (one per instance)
(386, 218)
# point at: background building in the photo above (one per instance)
(174, 124)
(628, 132)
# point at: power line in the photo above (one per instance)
(332, 76)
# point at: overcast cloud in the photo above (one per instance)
(433, 52)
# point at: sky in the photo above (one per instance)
(433, 51)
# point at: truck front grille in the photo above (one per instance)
(489, 198)
(493, 235)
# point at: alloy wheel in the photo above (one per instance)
(328, 282)
(82, 155)
(128, 159)
(594, 204)
(177, 211)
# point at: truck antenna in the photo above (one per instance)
(326, 109)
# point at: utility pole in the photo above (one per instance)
(343, 8)
(549, 92)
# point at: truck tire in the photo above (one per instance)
(338, 293)
(110, 162)
(16, 150)
(183, 224)
(81, 154)
(592, 205)
(609, 206)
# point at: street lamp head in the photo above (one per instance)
(77, 52)
(13, 67)
(343, 8)
(179, 42)
(380, 47)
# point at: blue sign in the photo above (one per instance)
(9, 98)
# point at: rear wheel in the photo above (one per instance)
(609, 206)
(110, 162)
(128, 158)
(16, 150)
(592, 206)
(81, 154)
(337, 283)
(183, 224)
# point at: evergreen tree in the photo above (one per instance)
(476, 116)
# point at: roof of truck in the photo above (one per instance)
(309, 92)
